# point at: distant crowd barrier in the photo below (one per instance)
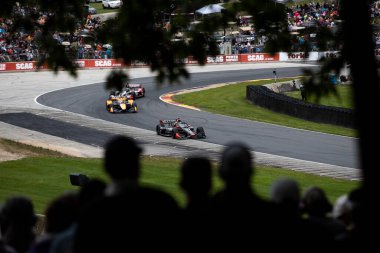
(264, 97)
(219, 59)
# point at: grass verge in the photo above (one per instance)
(44, 178)
(344, 98)
(230, 100)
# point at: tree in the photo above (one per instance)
(138, 34)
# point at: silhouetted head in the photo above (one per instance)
(62, 212)
(17, 220)
(286, 192)
(315, 202)
(236, 163)
(196, 175)
(17, 210)
(122, 158)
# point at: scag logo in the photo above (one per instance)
(255, 57)
(215, 59)
(105, 63)
(24, 65)
(3, 67)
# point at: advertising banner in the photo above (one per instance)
(102, 63)
(19, 66)
(259, 57)
(328, 54)
(298, 56)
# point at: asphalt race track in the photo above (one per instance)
(311, 146)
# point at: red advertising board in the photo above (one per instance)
(103, 63)
(113, 63)
(259, 57)
(19, 66)
(32, 65)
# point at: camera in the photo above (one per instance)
(78, 179)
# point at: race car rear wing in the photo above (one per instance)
(170, 122)
(131, 85)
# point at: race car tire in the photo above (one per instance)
(158, 130)
(201, 132)
(174, 133)
(134, 108)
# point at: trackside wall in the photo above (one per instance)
(264, 97)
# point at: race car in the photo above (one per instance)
(137, 89)
(119, 103)
(178, 129)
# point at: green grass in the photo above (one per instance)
(100, 10)
(344, 98)
(44, 178)
(230, 100)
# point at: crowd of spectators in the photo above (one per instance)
(314, 14)
(375, 9)
(22, 45)
(16, 46)
(303, 20)
(125, 214)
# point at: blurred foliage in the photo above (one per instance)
(141, 32)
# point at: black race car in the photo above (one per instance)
(178, 129)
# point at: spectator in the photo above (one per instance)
(90, 192)
(60, 215)
(144, 214)
(286, 194)
(17, 220)
(237, 208)
(317, 207)
(196, 183)
(303, 92)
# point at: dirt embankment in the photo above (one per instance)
(10, 150)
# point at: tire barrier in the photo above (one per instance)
(277, 102)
